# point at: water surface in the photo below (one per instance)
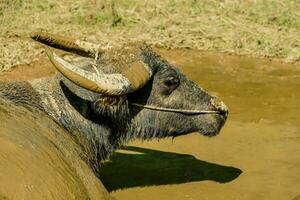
(256, 155)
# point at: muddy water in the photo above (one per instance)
(256, 155)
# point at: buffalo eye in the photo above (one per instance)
(171, 83)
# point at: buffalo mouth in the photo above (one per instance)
(213, 129)
(208, 129)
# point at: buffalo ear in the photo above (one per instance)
(110, 101)
(111, 107)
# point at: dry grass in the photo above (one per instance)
(261, 28)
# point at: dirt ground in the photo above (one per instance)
(268, 28)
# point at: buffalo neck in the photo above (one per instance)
(72, 112)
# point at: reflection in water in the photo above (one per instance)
(151, 167)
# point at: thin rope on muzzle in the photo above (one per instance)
(182, 111)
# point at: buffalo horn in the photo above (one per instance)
(71, 45)
(128, 81)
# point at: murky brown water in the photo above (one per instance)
(256, 155)
(260, 141)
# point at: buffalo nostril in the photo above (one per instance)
(219, 105)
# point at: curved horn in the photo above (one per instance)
(71, 45)
(112, 84)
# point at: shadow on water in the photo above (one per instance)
(151, 167)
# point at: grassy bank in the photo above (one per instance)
(261, 28)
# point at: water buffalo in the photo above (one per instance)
(113, 95)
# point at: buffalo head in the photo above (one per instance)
(134, 90)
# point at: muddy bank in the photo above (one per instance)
(257, 28)
(189, 60)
